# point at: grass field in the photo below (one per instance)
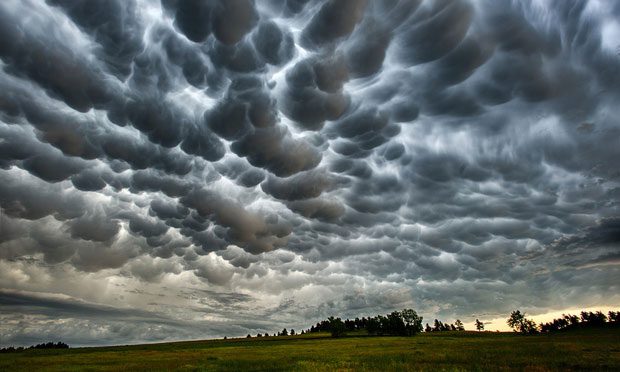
(597, 349)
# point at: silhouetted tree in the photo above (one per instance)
(248, 336)
(438, 326)
(571, 319)
(292, 332)
(405, 323)
(515, 320)
(593, 319)
(529, 327)
(358, 323)
(479, 325)
(284, 332)
(349, 325)
(394, 324)
(555, 325)
(336, 326)
(373, 326)
(413, 322)
(428, 328)
(383, 324)
(519, 323)
(459, 325)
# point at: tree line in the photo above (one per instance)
(48, 345)
(397, 323)
(586, 319)
(406, 322)
(439, 326)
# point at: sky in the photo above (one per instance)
(184, 169)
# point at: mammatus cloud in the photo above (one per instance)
(188, 169)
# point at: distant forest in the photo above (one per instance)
(587, 319)
(398, 323)
(408, 323)
(48, 345)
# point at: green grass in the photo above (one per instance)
(593, 349)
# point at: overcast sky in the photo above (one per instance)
(193, 169)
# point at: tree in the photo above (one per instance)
(358, 323)
(395, 324)
(593, 319)
(571, 319)
(413, 322)
(284, 332)
(336, 326)
(515, 320)
(428, 328)
(459, 325)
(438, 326)
(529, 327)
(292, 333)
(405, 323)
(248, 336)
(479, 325)
(373, 326)
(349, 325)
(519, 323)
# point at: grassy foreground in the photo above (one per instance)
(597, 349)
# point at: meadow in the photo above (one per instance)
(585, 349)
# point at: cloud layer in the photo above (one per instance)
(212, 168)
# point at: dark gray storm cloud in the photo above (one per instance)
(245, 164)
